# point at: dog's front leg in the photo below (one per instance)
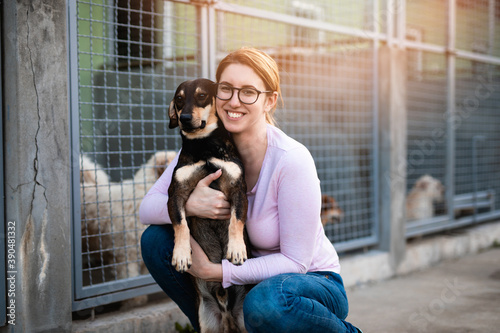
(184, 181)
(232, 183)
(181, 256)
(236, 247)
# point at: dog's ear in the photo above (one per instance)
(213, 87)
(172, 114)
(159, 170)
(160, 163)
(213, 92)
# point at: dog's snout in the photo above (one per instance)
(186, 118)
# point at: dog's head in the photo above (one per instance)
(431, 186)
(330, 211)
(193, 108)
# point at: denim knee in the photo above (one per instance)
(263, 307)
(147, 244)
(157, 242)
(297, 302)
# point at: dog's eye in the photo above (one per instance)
(202, 96)
(179, 98)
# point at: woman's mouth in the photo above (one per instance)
(234, 115)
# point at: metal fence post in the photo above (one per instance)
(202, 14)
(212, 51)
(392, 136)
(450, 106)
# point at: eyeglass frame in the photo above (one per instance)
(239, 90)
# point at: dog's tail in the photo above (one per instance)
(91, 172)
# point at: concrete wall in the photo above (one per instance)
(37, 162)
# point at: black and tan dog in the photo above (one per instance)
(207, 147)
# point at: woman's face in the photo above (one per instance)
(236, 116)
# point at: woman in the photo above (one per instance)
(295, 266)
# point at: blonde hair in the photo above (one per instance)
(265, 67)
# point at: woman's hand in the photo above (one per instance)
(201, 266)
(206, 202)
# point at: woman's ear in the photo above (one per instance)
(271, 101)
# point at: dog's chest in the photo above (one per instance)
(200, 160)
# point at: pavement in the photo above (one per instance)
(460, 295)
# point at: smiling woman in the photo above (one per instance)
(294, 267)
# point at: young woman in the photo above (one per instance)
(295, 267)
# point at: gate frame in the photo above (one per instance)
(85, 297)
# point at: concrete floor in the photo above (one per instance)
(461, 295)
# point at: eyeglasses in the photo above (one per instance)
(246, 95)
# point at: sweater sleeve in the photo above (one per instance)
(153, 209)
(299, 204)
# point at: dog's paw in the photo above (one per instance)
(236, 253)
(181, 259)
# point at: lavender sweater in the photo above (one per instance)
(283, 220)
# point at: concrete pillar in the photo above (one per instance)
(393, 137)
(37, 162)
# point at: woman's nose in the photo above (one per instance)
(235, 101)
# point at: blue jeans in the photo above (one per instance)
(312, 302)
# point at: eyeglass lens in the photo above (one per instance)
(245, 95)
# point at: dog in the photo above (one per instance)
(207, 147)
(330, 211)
(421, 200)
(110, 226)
(92, 173)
